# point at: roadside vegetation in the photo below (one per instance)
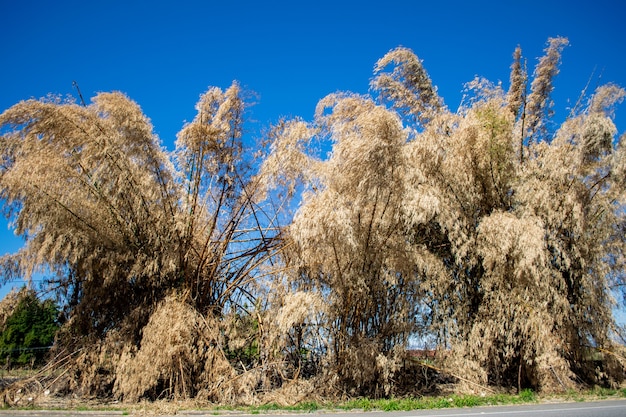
(28, 327)
(358, 404)
(303, 267)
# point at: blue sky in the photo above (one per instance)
(165, 54)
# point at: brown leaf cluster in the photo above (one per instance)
(203, 273)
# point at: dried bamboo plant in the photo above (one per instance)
(500, 236)
(127, 227)
(186, 277)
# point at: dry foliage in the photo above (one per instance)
(348, 237)
(125, 225)
(9, 303)
(500, 235)
(481, 229)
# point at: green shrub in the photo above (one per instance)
(29, 331)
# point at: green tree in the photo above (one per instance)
(29, 331)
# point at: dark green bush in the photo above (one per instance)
(29, 331)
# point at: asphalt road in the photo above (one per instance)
(610, 408)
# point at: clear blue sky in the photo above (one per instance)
(291, 53)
